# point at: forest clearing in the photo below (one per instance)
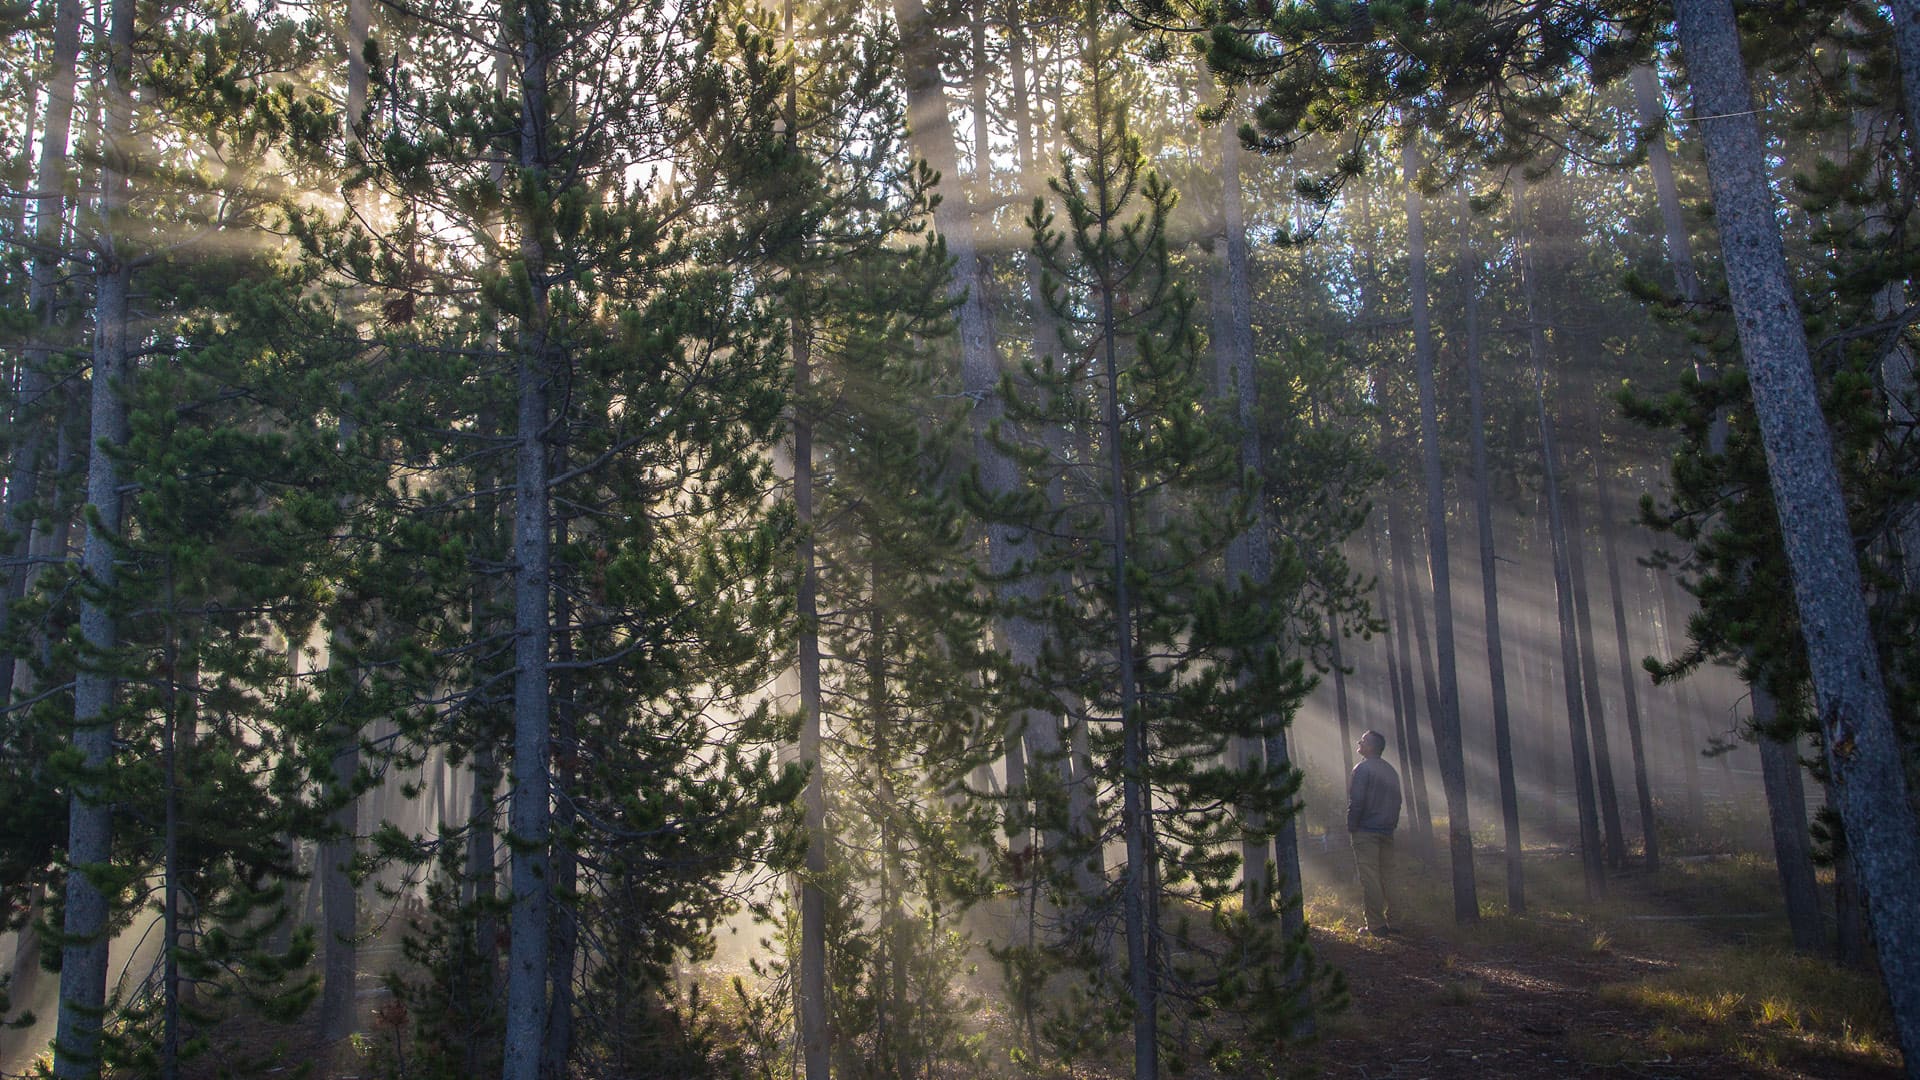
(885, 539)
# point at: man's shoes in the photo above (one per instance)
(1377, 931)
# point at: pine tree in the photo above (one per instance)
(199, 454)
(1153, 638)
(890, 627)
(623, 362)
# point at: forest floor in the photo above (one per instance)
(1684, 973)
(1571, 1000)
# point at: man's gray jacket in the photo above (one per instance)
(1373, 797)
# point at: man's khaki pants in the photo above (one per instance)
(1373, 856)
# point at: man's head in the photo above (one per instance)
(1372, 743)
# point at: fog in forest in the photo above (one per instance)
(829, 539)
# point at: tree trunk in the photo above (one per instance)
(1653, 119)
(1136, 796)
(1412, 615)
(1591, 858)
(1139, 899)
(338, 902)
(932, 133)
(1044, 731)
(83, 966)
(1589, 674)
(1341, 710)
(1906, 45)
(35, 380)
(1852, 945)
(1538, 679)
(1489, 576)
(1448, 753)
(1787, 814)
(1385, 597)
(530, 811)
(1690, 735)
(171, 891)
(481, 891)
(978, 76)
(1862, 749)
(1249, 555)
(20, 170)
(812, 1007)
(815, 1036)
(337, 895)
(564, 927)
(1629, 673)
(893, 1013)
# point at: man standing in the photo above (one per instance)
(1373, 812)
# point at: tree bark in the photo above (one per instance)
(83, 967)
(1250, 554)
(1572, 508)
(932, 132)
(20, 170)
(1653, 119)
(1387, 597)
(1862, 749)
(1591, 857)
(1448, 752)
(1140, 897)
(1489, 576)
(481, 890)
(1341, 710)
(1906, 46)
(482, 886)
(1412, 615)
(339, 904)
(1043, 731)
(1852, 947)
(1787, 815)
(1690, 740)
(1393, 577)
(815, 1034)
(813, 1007)
(564, 927)
(35, 380)
(1629, 674)
(1538, 680)
(171, 891)
(530, 811)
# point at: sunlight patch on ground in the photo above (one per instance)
(1784, 1003)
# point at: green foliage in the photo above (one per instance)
(907, 674)
(1154, 469)
(1850, 236)
(1494, 82)
(607, 248)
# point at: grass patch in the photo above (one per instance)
(1461, 992)
(1762, 1005)
(1678, 1042)
(1327, 910)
